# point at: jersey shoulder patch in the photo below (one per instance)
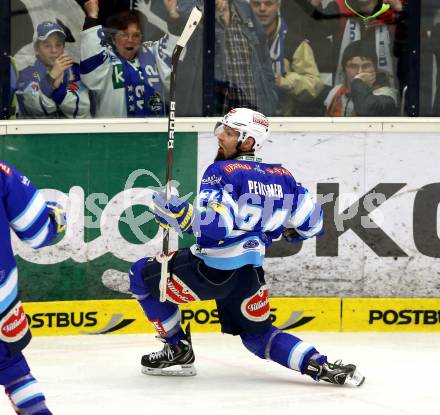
(278, 170)
(4, 168)
(234, 165)
(213, 175)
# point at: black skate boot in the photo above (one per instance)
(336, 373)
(171, 360)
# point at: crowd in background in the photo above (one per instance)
(281, 57)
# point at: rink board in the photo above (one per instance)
(379, 188)
(385, 314)
(378, 184)
(126, 316)
(291, 314)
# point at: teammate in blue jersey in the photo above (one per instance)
(243, 205)
(22, 208)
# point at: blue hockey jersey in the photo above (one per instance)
(104, 71)
(22, 208)
(243, 205)
(37, 98)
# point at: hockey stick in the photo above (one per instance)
(191, 24)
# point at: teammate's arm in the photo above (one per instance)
(33, 220)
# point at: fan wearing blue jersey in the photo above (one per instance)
(52, 87)
(243, 204)
(128, 77)
(24, 210)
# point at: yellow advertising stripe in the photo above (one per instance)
(306, 314)
(391, 314)
(301, 314)
(126, 317)
(59, 318)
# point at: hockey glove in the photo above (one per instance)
(292, 236)
(175, 213)
(58, 218)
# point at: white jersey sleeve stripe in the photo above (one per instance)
(30, 213)
(228, 220)
(39, 237)
(228, 200)
(313, 231)
(303, 212)
(8, 290)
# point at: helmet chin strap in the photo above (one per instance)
(240, 152)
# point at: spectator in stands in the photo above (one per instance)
(365, 91)
(190, 74)
(128, 78)
(303, 17)
(243, 71)
(293, 61)
(373, 21)
(109, 8)
(52, 86)
(331, 24)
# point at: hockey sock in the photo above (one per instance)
(25, 393)
(283, 348)
(290, 351)
(165, 318)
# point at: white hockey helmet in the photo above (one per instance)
(248, 123)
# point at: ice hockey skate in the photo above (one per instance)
(172, 360)
(336, 373)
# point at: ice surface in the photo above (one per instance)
(100, 375)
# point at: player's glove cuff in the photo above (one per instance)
(292, 236)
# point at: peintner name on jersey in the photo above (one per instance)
(272, 190)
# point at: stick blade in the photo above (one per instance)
(191, 24)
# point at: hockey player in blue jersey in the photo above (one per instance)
(243, 205)
(22, 208)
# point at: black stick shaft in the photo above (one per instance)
(191, 25)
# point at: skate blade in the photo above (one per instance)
(185, 370)
(356, 379)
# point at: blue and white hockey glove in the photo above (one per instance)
(58, 216)
(175, 213)
(292, 236)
